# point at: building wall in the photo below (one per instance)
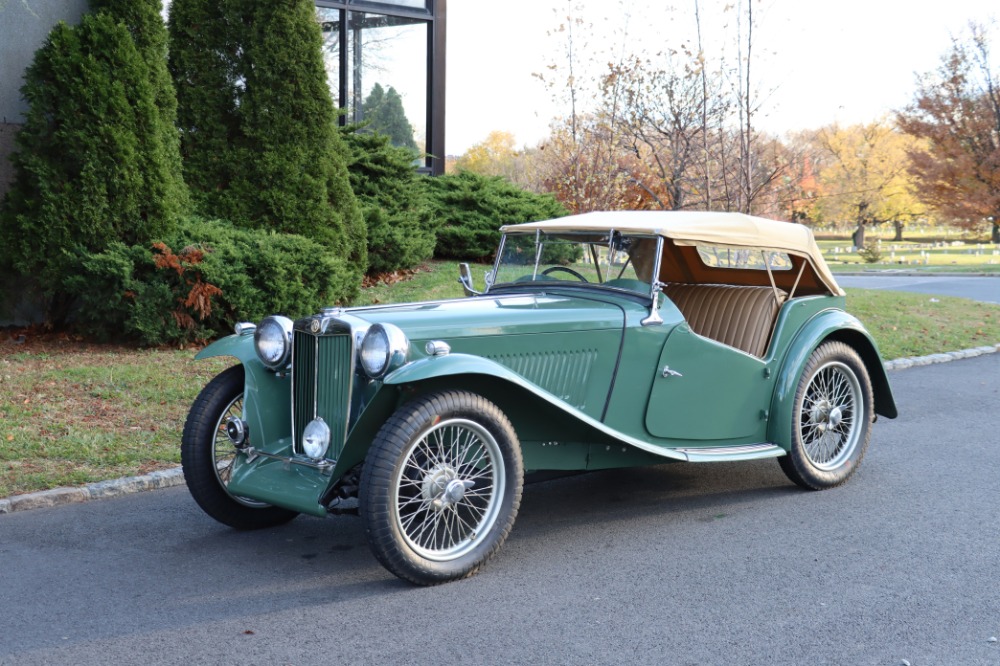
(24, 25)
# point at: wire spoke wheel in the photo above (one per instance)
(208, 457)
(224, 453)
(446, 492)
(828, 420)
(441, 486)
(831, 418)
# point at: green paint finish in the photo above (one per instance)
(710, 391)
(615, 455)
(487, 317)
(579, 377)
(583, 455)
(237, 346)
(826, 324)
(294, 487)
(266, 397)
(554, 455)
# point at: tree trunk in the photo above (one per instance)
(858, 237)
(899, 230)
(996, 233)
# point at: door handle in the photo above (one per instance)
(667, 372)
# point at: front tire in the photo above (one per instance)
(207, 457)
(831, 419)
(441, 486)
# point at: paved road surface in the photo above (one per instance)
(976, 288)
(679, 564)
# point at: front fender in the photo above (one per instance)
(455, 364)
(826, 325)
(266, 395)
(238, 346)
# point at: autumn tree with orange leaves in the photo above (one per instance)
(957, 111)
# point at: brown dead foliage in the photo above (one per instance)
(401, 275)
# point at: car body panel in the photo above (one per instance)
(706, 391)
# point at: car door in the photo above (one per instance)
(706, 391)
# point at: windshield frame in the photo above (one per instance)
(612, 246)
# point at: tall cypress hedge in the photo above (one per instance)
(97, 159)
(259, 128)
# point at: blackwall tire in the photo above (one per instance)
(207, 456)
(831, 418)
(441, 486)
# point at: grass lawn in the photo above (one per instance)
(74, 413)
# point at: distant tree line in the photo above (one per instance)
(677, 131)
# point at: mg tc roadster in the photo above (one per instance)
(597, 341)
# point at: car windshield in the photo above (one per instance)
(610, 260)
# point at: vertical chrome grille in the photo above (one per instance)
(322, 375)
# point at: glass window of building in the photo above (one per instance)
(385, 66)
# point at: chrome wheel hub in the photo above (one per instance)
(829, 424)
(436, 482)
(825, 416)
(442, 489)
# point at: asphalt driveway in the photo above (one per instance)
(677, 564)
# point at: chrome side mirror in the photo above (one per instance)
(465, 278)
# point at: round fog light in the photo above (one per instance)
(316, 438)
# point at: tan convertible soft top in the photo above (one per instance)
(686, 229)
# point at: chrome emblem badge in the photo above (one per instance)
(314, 326)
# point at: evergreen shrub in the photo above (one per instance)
(259, 129)
(401, 233)
(97, 160)
(198, 281)
(471, 208)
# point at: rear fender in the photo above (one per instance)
(827, 325)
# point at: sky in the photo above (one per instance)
(818, 62)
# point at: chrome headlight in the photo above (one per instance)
(383, 350)
(316, 438)
(273, 341)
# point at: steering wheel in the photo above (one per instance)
(565, 270)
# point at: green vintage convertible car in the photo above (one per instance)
(598, 341)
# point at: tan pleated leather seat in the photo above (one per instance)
(740, 317)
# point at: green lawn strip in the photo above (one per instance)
(905, 324)
(433, 281)
(85, 413)
(863, 269)
(916, 255)
(72, 417)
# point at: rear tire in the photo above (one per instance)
(441, 486)
(207, 457)
(831, 419)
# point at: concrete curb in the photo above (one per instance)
(914, 361)
(174, 477)
(101, 490)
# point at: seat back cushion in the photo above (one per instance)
(740, 317)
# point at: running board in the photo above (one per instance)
(732, 453)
